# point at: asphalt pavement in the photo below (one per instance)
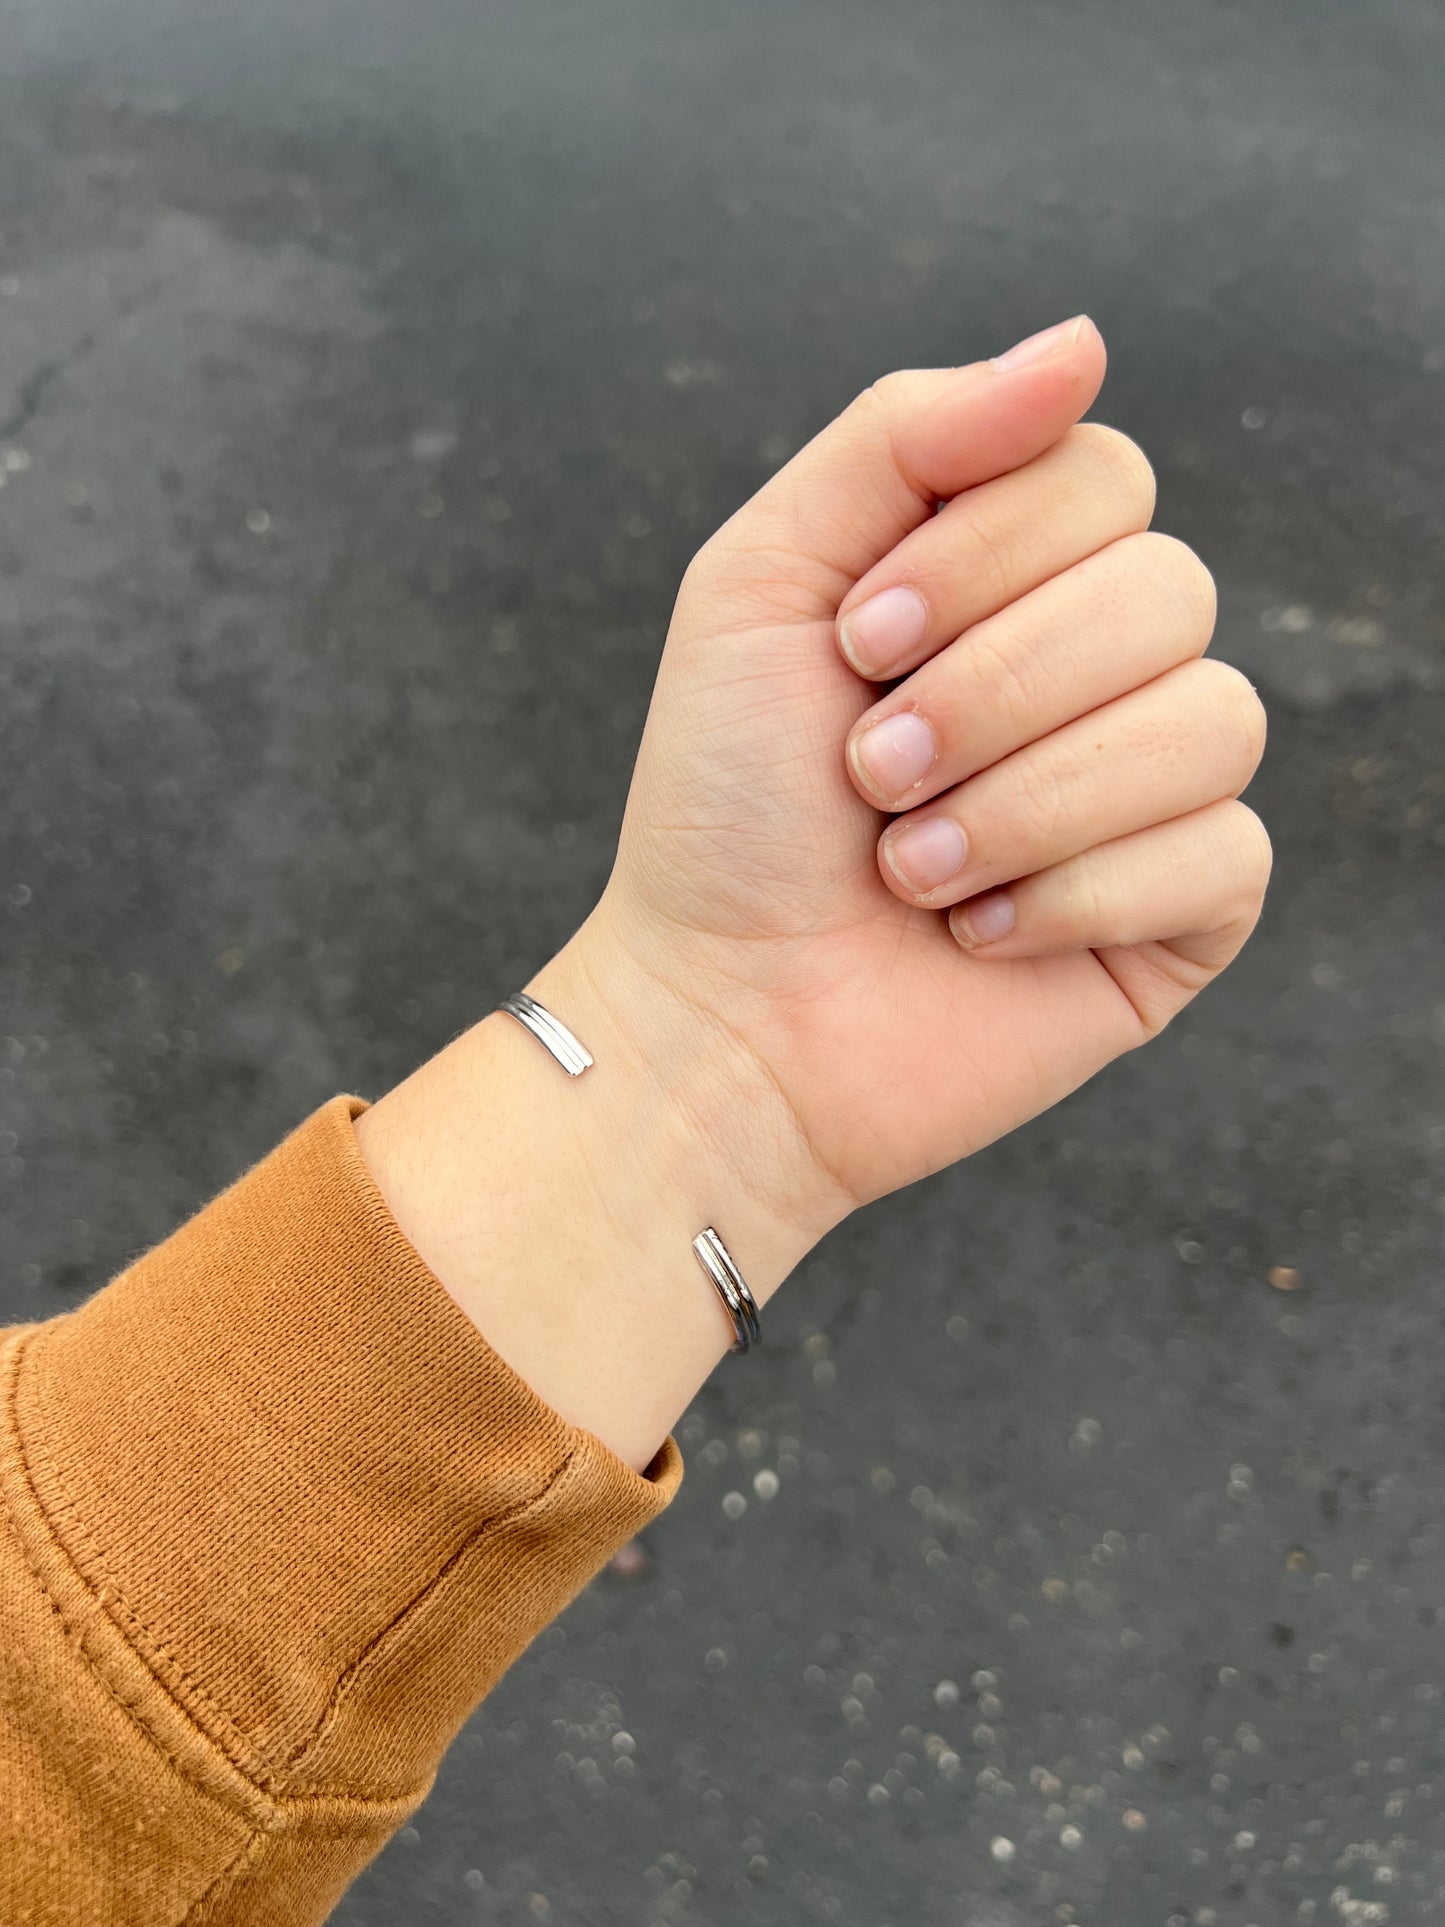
(1074, 1550)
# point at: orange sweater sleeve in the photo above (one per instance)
(274, 1519)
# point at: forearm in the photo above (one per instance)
(277, 1514)
(274, 1518)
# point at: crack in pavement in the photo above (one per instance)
(32, 390)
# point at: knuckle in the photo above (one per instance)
(877, 417)
(1038, 805)
(1180, 580)
(999, 666)
(1254, 850)
(1088, 895)
(698, 571)
(883, 388)
(1242, 860)
(1238, 710)
(882, 401)
(993, 557)
(1127, 469)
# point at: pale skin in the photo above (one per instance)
(935, 814)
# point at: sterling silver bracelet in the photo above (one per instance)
(711, 1253)
(717, 1261)
(570, 1052)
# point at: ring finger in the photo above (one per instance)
(1191, 737)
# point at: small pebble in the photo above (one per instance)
(630, 1561)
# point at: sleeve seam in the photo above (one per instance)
(346, 1680)
(236, 1864)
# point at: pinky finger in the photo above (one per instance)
(1191, 887)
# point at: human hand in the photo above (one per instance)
(787, 1016)
(930, 912)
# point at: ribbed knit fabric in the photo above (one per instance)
(275, 1517)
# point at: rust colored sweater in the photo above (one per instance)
(274, 1519)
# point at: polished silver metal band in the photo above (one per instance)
(570, 1052)
(717, 1261)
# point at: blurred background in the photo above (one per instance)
(369, 369)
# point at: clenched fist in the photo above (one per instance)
(936, 805)
(936, 812)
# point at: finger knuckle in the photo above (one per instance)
(1038, 806)
(1126, 469)
(1239, 857)
(993, 556)
(876, 420)
(698, 571)
(1087, 894)
(998, 665)
(1238, 711)
(1254, 850)
(1179, 579)
(883, 399)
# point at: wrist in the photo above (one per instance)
(686, 1106)
(559, 1212)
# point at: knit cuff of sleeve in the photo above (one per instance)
(274, 1464)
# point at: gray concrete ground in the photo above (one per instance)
(368, 371)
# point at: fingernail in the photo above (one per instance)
(895, 755)
(923, 855)
(883, 630)
(983, 920)
(1038, 347)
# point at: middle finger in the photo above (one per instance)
(1112, 622)
(992, 544)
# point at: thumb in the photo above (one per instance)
(913, 439)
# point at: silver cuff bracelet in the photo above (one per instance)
(711, 1253)
(716, 1260)
(549, 1031)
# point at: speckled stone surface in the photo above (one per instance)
(367, 374)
